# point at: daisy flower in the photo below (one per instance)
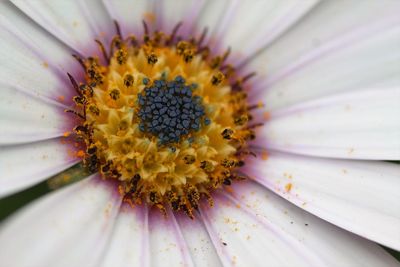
(205, 133)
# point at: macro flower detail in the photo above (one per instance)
(165, 118)
(200, 133)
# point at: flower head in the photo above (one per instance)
(154, 113)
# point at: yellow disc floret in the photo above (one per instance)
(164, 119)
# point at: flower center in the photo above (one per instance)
(163, 118)
(169, 111)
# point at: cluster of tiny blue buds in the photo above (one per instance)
(169, 110)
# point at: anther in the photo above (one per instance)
(207, 166)
(134, 183)
(94, 109)
(128, 80)
(182, 46)
(86, 90)
(115, 94)
(121, 56)
(188, 55)
(132, 40)
(228, 163)
(227, 133)
(79, 100)
(91, 150)
(152, 59)
(81, 129)
(115, 43)
(241, 120)
(217, 78)
(189, 159)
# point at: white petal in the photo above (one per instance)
(69, 227)
(198, 241)
(243, 239)
(257, 24)
(216, 16)
(130, 14)
(77, 23)
(31, 60)
(167, 245)
(320, 243)
(358, 125)
(22, 166)
(175, 11)
(129, 244)
(339, 46)
(27, 118)
(361, 197)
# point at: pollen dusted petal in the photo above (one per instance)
(28, 164)
(76, 23)
(242, 238)
(361, 197)
(199, 244)
(167, 244)
(69, 227)
(357, 125)
(317, 242)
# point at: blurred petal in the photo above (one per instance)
(129, 244)
(69, 227)
(335, 51)
(361, 197)
(130, 14)
(167, 245)
(358, 125)
(22, 166)
(185, 11)
(31, 60)
(258, 24)
(77, 23)
(198, 241)
(321, 243)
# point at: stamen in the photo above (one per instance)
(103, 50)
(165, 118)
(118, 29)
(74, 84)
(80, 61)
(173, 34)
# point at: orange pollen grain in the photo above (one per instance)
(288, 187)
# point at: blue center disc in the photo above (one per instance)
(169, 111)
